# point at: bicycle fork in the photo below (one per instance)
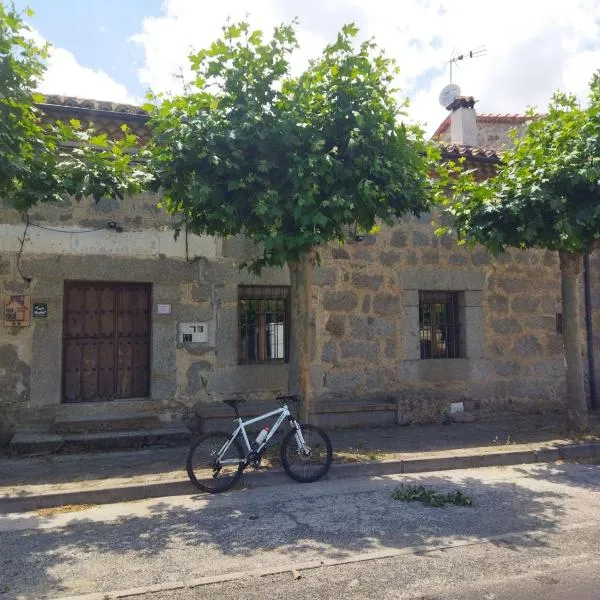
(300, 442)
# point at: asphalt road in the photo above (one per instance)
(532, 532)
(444, 576)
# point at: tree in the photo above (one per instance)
(42, 162)
(289, 161)
(545, 194)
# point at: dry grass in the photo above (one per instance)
(67, 508)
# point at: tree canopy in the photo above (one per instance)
(290, 161)
(546, 192)
(40, 161)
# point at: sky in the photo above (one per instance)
(117, 50)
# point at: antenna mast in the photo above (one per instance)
(475, 53)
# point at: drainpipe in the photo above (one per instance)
(589, 331)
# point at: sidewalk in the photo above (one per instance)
(56, 480)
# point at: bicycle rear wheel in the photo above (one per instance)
(311, 462)
(204, 467)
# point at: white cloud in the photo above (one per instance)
(66, 77)
(533, 47)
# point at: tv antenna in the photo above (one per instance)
(475, 53)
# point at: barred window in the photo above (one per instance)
(439, 329)
(263, 313)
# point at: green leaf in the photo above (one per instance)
(289, 161)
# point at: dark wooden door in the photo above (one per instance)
(106, 341)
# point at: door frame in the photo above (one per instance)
(98, 282)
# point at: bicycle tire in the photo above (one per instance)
(209, 482)
(311, 434)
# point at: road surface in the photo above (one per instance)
(533, 532)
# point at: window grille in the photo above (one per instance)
(263, 323)
(439, 330)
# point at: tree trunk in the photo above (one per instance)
(571, 266)
(301, 331)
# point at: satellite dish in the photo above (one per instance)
(448, 94)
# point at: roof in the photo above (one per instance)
(453, 151)
(71, 102)
(108, 116)
(483, 118)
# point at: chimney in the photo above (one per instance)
(463, 123)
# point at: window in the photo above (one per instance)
(263, 323)
(439, 330)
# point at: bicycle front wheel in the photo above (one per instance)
(308, 463)
(204, 466)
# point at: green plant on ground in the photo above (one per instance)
(419, 493)
(373, 454)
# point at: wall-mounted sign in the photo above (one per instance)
(39, 310)
(163, 309)
(193, 332)
(16, 311)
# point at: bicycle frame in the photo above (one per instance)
(283, 412)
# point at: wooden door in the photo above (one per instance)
(106, 341)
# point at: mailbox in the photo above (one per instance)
(193, 332)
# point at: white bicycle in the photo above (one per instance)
(217, 460)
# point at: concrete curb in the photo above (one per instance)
(255, 479)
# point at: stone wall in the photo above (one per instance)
(198, 279)
(490, 134)
(366, 316)
(367, 328)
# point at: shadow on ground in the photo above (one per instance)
(354, 444)
(250, 529)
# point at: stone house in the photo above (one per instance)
(130, 327)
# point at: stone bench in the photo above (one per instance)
(329, 414)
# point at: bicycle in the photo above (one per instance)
(217, 460)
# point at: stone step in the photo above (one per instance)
(35, 443)
(32, 444)
(109, 407)
(374, 412)
(111, 440)
(106, 422)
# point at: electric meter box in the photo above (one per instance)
(193, 332)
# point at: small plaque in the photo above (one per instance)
(39, 310)
(16, 311)
(163, 309)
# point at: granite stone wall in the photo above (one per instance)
(367, 318)
(366, 314)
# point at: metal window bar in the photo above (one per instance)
(263, 324)
(439, 330)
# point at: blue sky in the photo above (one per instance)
(117, 49)
(97, 33)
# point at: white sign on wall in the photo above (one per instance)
(163, 309)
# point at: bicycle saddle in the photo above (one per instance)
(233, 402)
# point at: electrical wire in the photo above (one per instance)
(28, 224)
(67, 230)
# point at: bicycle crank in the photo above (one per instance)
(253, 459)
